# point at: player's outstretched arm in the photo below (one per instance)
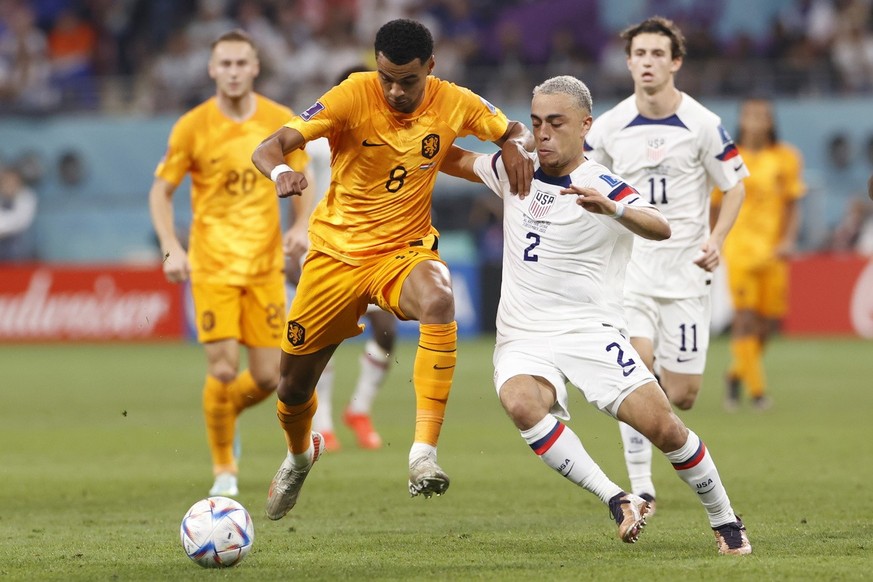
(269, 159)
(645, 222)
(515, 143)
(459, 163)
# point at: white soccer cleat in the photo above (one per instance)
(629, 512)
(225, 486)
(732, 539)
(426, 478)
(285, 487)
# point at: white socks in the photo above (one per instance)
(422, 450)
(375, 363)
(302, 460)
(561, 449)
(322, 421)
(695, 466)
(638, 458)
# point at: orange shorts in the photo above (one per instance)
(763, 290)
(332, 296)
(251, 314)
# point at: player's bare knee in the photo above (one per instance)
(293, 393)
(223, 372)
(685, 402)
(438, 306)
(297, 387)
(266, 380)
(669, 434)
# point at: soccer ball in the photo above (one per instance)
(217, 532)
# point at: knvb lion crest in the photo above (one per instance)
(430, 146)
(296, 333)
(207, 321)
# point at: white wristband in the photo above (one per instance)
(280, 169)
(619, 210)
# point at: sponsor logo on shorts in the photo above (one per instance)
(207, 321)
(296, 333)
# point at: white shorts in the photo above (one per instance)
(601, 364)
(678, 328)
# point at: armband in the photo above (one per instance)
(280, 169)
(619, 210)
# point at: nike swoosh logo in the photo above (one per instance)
(570, 468)
(367, 144)
(628, 372)
(737, 168)
(704, 492)
(216, 160)
(438, 367)
(682, 361)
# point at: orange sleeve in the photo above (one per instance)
(793, 163)
(178, 157)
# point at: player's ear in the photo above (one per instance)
(676, 65)
(430, 64)
(586, 125)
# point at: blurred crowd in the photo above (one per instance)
(150, 55)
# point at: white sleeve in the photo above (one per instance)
(721, 158)
(19, 216)
(618, 189)
(492, 172)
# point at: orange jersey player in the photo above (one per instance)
(372, 237)
(234, 252)
(756, 252)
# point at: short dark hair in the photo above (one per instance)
(235, 35)
(403, 40)
(657, 25)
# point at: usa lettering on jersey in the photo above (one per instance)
(540, 204)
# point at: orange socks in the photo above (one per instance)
(220, 423)
(432, 377)
(244, 392)
(748, 364)
(296, 421)
(222, 403)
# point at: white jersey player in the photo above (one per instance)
(566, 248)
(674, 151)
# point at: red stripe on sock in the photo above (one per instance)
(543, 448)
(694, 460)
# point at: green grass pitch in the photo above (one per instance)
(102, 450)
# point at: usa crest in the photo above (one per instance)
(656, 148)
(430, 145)
(296, 333)
(540, 204)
